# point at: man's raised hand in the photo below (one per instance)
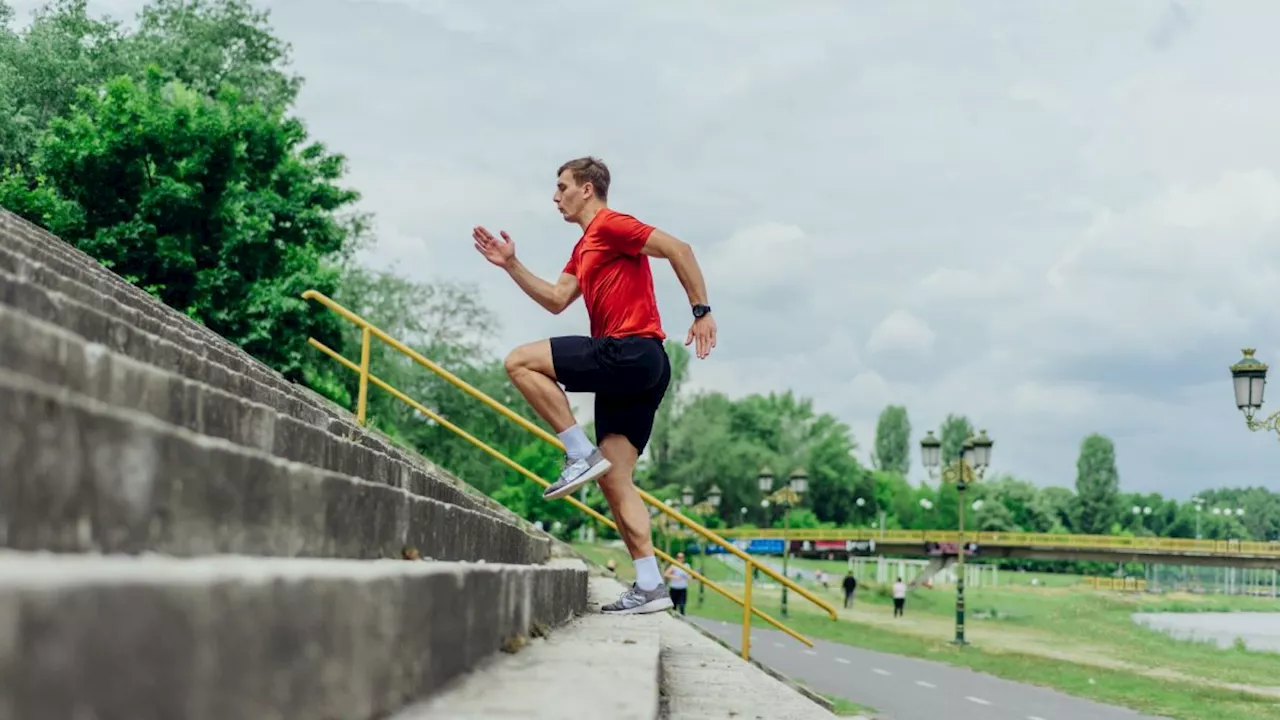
(703, 331)
(498, 252)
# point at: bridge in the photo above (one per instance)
(1038, 546)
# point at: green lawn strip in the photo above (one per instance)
(1183, 701)
(849, 708)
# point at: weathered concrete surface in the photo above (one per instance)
(702, 680)
(110, 333)
(597, 666)
(61, 358)
(77, 475)
(68, 277)
(230, 638)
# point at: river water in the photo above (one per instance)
(1260, 631)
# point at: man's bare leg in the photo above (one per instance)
(534, 375)
(649, 594)
(533, 372)
(619, 490)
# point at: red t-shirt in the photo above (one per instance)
(616, 284)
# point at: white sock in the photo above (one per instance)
(647, 575)
(575, 442)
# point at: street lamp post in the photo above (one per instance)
(666, 523)
(1250, 378)
(705, 508)
(1138, 512)
(1199, 503)
(962, 471)
(765, 481)
(788, 496)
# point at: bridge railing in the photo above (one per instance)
(1011, 539)
(369, 333)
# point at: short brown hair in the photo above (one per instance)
(589, 170)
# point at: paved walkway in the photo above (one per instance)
(901, 688)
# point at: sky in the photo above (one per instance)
(1056, 218)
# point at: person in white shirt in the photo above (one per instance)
(899, 597)
(678, 583)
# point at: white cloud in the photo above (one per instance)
(762, 258)
(901, 331)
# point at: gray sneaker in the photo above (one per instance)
(638, 602)
(577, 473)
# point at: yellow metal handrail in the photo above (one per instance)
(369, 331)
(1226, 548)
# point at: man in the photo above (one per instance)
(678, 583)
(850, 584)
(622, 362)
(899, 597)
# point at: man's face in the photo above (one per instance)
(570, 197)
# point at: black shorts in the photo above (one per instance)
(628, 375)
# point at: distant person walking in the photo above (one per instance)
(850, 584)
(899, 597)
(678, 583)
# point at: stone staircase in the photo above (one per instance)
(188, 535)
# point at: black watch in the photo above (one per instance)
(700, 310)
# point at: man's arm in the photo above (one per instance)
(555, 298)
(680, 255)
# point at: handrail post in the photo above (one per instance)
(363, 401)
(746, 613)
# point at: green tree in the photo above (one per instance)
(836, 478)
(893, 441)
(1097, 486)
(206, 44)
(1056, 504)
(664, 422)
(955, 430)
(220, 208)
(42, 69)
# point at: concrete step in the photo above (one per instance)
(239, 638)
(626, 668)
(703, 679)
(140, 331)
(596, 666)
(64, 264)
(81, 476)
(374, 460)
(140, 311)
(58, 357)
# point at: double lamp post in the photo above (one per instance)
(788, 496)
(704, 509)
(963, 470)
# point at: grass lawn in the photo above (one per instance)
(848, 708)
(1075, 639)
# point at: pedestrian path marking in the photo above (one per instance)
(878, 671)
(980, 701)
(922, 683)
(810, 652)
(842, 660)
